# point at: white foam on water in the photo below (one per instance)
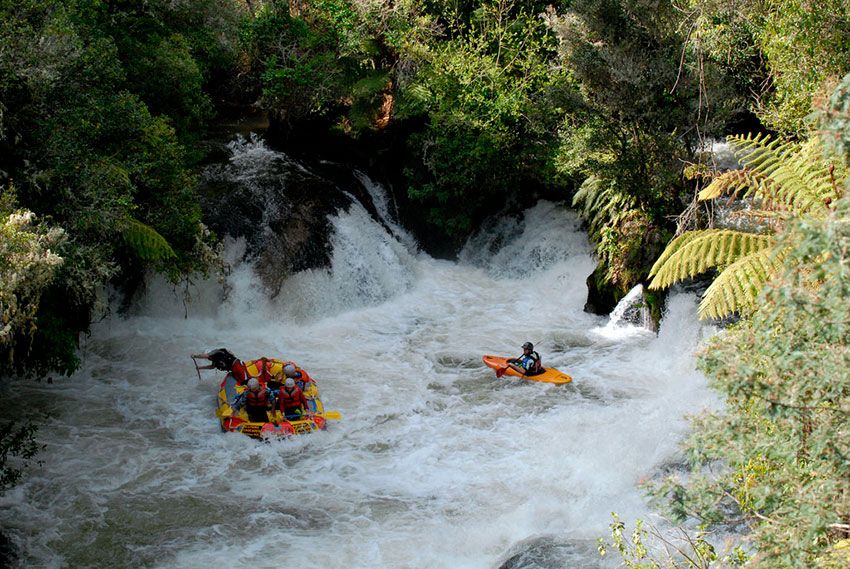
(436, 463)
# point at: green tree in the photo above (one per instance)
(640, 103)
(88, 156)
(786, 52)
(326, 59)
(28, 266)
(489, 130)
(777, 456)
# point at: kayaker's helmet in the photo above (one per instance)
(290, 382)
(289, 370)
(253, 384)
(528, 346)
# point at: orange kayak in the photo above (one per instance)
(549, 375)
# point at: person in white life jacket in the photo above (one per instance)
(257, 400)
(528, 363)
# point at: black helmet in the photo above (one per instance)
(528, 346)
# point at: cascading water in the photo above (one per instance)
(435, 464)
(631, 310)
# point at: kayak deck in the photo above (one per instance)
(549, 375)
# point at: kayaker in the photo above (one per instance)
(291, 400)
(256, 400)
(222, 359)
(528, 363)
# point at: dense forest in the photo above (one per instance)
(613, 105)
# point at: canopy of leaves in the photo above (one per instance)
(27, 266)
(634, 113)
(322, 59)
(90, 96)
(784, 51)
(486, 132)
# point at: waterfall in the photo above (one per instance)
(631, 310)
(435, 463)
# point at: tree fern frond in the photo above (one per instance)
(695, 252)
(600, 205)
(735, 182)
(800, 184)
(735, 290)
(146, 241)
(674, 246)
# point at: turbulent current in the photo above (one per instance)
(435, 464)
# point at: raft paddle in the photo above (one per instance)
(197, 369)
(332, 415)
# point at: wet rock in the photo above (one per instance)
(279, 205)
(550, 551)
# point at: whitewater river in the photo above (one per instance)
(436, 463)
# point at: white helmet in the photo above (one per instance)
(289, 370)
(253, 384)
(290, 382)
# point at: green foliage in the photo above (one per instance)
(17, 448)
(784, 51)
(834, 121)
(28, 266)
(635, 108)
(784, 436)
(146, 242)
(695, 252)
(740, 283)
(163, 73)
(781, 181)
(623, 233)
(323, 62)
(486, 134)
(776, 174)
(91, 94)
(651, 549)
(600, 204)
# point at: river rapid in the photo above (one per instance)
(435, 464)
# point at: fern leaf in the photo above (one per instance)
(695, 252)
(736, 289)
(146, 241)
(799, 183)
(673, 247)
(741, 183)
(600, 204)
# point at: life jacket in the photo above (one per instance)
(301, 376)
(263, 368)
(237, 369)
(257, 398)
(291, 399)
(536, 366)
